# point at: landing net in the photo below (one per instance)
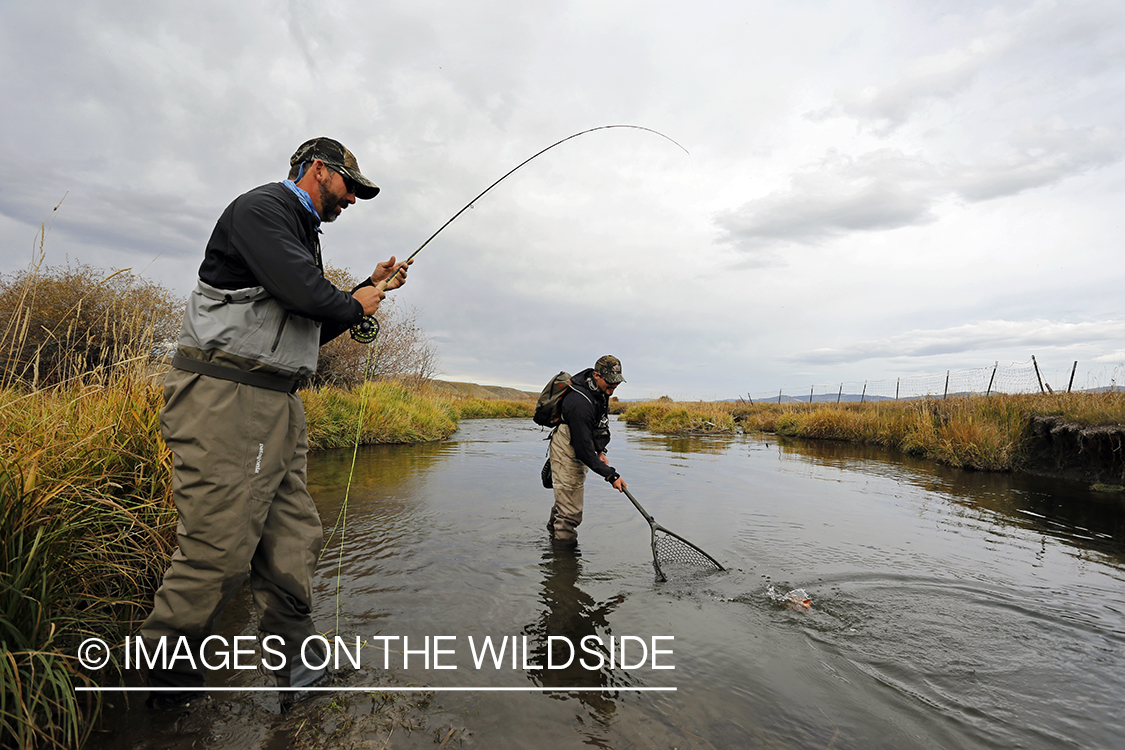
(670, 549)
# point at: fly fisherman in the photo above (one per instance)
(578, 445)
(236, 426)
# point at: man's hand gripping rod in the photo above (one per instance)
(367, 330)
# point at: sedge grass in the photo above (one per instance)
(976, 432)
(487, 408)
(394, 413)
(85, 532)
(676, 417)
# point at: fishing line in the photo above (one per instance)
(367, 330)
(342, 517)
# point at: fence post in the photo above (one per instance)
(898, 382)
(841, 393)
(946, 394)
(989, 391)
(810, 392)
(1072, 370)
(863, 396)
(750, 397)
(779, 395)
(1037, 377)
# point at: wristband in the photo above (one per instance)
(613, 476)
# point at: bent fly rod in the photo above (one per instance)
(367, 329)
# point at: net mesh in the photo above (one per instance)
(672, 550)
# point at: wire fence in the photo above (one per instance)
(1020, 377)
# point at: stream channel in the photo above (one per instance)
(949, 609)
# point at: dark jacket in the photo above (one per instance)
(262, 295)
(585, 410)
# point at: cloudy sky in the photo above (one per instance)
(871, 189)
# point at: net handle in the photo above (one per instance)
(633, 500)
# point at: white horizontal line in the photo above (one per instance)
(374, 689)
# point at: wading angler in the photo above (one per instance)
(579, 412)
(236, 426)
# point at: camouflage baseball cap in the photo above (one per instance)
(333, 154)
(609, 367)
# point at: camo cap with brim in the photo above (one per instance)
(336, 157)
(609, 367)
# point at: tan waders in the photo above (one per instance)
(239, 486)
(568, 475)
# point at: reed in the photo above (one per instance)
(976, 432)
(485, 408)
(676, 417)
(86, 528)
(392, 413)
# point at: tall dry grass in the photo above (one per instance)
(673, 416)
(488, 408)
(86, 523)
(975, 432)
(393, 412)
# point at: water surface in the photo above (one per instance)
(949, 608)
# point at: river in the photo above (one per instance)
(949, 609)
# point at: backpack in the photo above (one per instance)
(547, 408)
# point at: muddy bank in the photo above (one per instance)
(1055, 447)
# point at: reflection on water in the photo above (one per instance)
(713, 444)
(570, 615)
(1063, 509)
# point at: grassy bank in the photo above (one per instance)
(970, 432)
(86, 528)
(488, 408)
(394, 413)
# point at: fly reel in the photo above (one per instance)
(366, 330)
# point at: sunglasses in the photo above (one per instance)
(349, 184)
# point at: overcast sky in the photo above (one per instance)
(874, 189)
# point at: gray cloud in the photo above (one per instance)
(1038, 156)
(883, 109)
(123, 218)
(986, 337)
(884, 189)
(1008, 52)
(887, 189)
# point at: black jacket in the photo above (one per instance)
(267, 238)
(585, 410)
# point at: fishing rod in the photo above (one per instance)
(367, 329)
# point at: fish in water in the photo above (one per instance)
(797, 599)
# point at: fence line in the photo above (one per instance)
(1020, 377)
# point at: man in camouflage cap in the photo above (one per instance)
(578, 445)
(335, 157)
(236, 426)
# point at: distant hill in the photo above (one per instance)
(472, 390)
